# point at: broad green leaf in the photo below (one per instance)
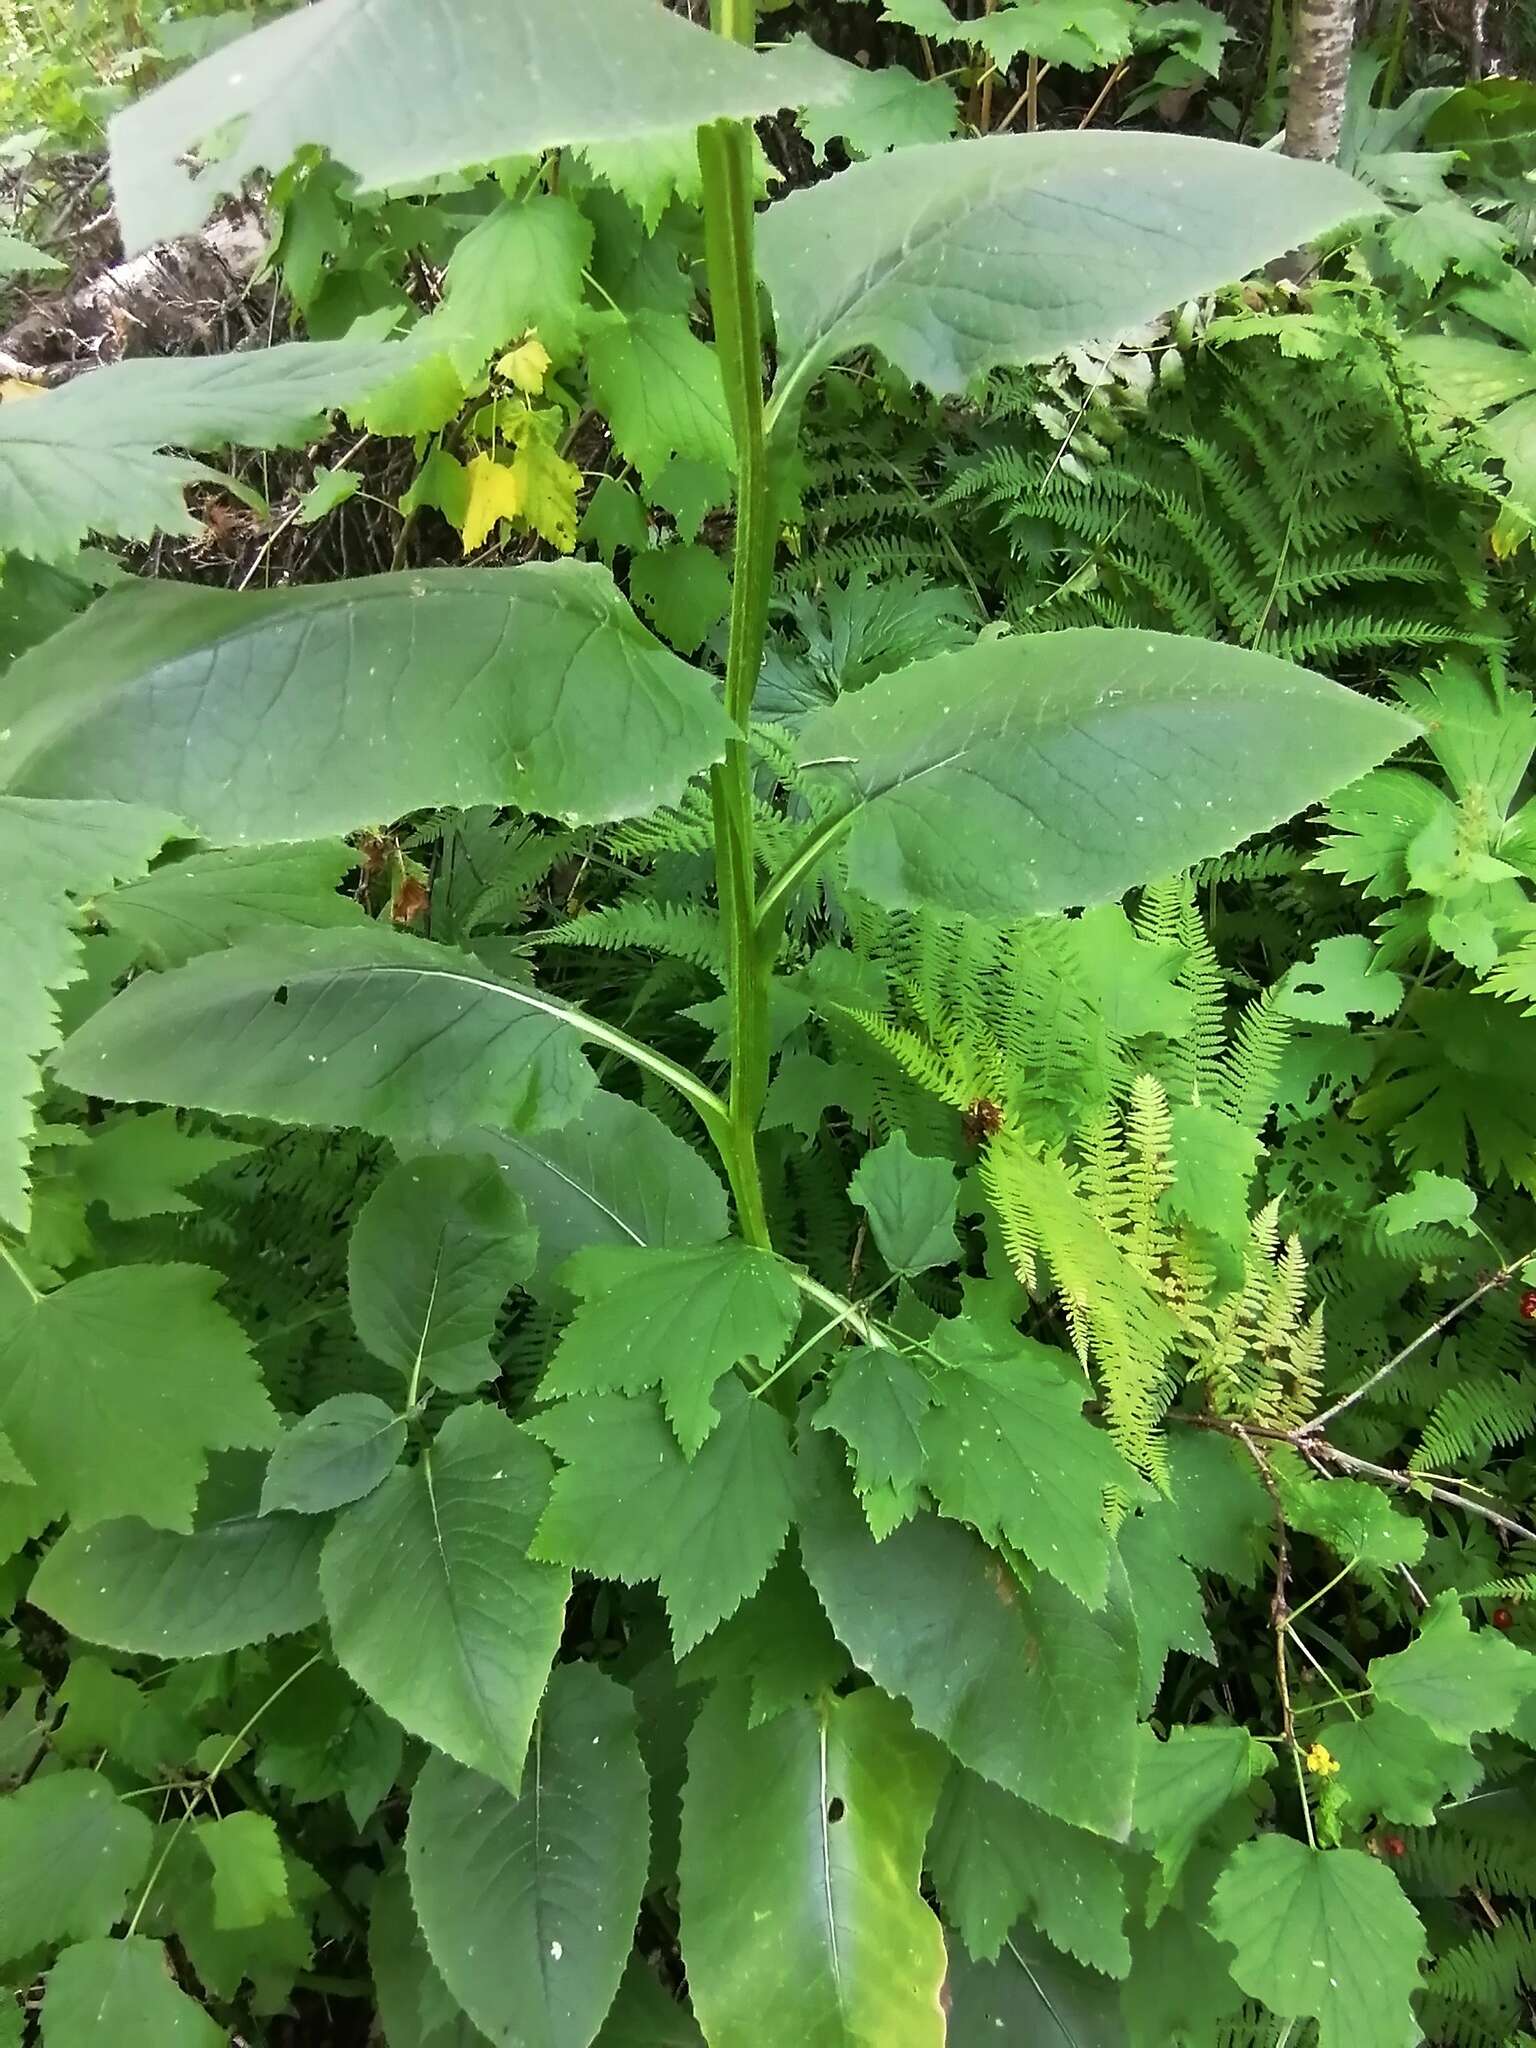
(18, 256)
(1359, 1522)
(151, 1590)
(1052, 769)
(1024, 1685)
(778, 1643)
(1430, 1198)
(802, 1921)
(439, 1245)
(950, 261)
(661, 390)
(271, 1954)
(415, 2006)
(1007, 1448)
(627, 1503)
(1030, 1995)
(335, 1454)
(1185, 1781)
(436, 1608)
(877, 1401)
(1221, 1512)
(993, 1858)
(1394, 1766)
(367, 1028)
(1167, 1596)
(381, 696)
(250, 1879)
(619, 1176)
(400, 91)
(684, 591)
(53, 856)
(521, 268)
(210, 899)
(675, 1320)
(888, 108)
(1339, 982)
(115, 1388)
(86, 458)
(137, 1166)
(644, 2016)
(1324, 1934)
(69, 1851)
(122, 1992)
(528, 1901)
(910, 1202)
(1081, 33)
(1458, 1681)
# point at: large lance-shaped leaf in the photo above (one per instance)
(436, 1608)
(618, 1177)
(152, 1590)
(367, 1028)
(528, 1901)
(86, 458)
(802, 1922)
(1025, 1685)
(400, 91)
(52, 856)
(534, 686)
(953, 259)
(1053, 769)
(439, 1245)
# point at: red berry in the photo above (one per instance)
(1394, 1845)
(1502, 1617)
(1528, 1304)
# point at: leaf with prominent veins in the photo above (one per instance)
(1051, 770)
(401, 91)
(291, 714)
(1014, 248)
(369, 1029)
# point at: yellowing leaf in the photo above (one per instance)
(18, 387)
(495, 492)
(525, 366)
(547, 484)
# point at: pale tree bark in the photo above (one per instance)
(1322, 37)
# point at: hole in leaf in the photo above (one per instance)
(835, 1810)
(280, 994)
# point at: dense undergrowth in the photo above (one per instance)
(964, 1471)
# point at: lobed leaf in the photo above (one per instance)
(69, 1851)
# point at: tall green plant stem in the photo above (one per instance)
(726, 161)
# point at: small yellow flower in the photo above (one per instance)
(1321, 1761)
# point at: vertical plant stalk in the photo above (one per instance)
(726, 162)
(1321, 43)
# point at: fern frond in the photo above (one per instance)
(678, 931)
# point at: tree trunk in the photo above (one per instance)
(1322, 38)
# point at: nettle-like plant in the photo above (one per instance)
(922, 1555)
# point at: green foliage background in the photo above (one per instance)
(1065, 1574)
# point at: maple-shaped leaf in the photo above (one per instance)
(1394, 1765)
(138, 1166)
(519, 269)
(547, 484)
(910, 1202)
(1007, 1448)
(876, 1403)
(495, 493)
(627, 1504)
(122, 1991)
(115, 1388)
(1081, 33)
(53, 857)
(69, 1850)
(684, 591)
(993, 1858)
(1322, 1934)
(675, 1320)
(887, 108)
(1184, 1782)
(661, 391)
(1457, 1680)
